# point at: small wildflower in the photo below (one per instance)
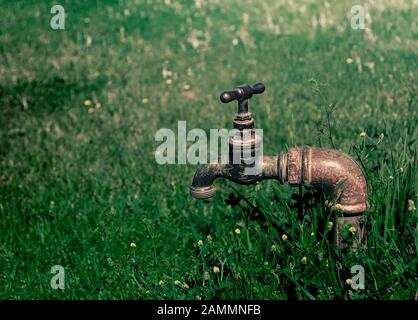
(235, 42)
(330, 225)
(216, 269)
(200, 243)
(169, 81)
(145, 101)
(411, 205)
(382, 136)
(87, 102)
(91, 110)
(237, 231)
(209, 238)
(186, 286)
(273, 248)
(284, 237)
(186, 87)
(304, 260)
(338, 207)
(370, 65)
(52, 203)
(266, 263)
(401, 169)
(390, 177)
(89, 40)
(177, 282)
(206, 276)
(312, 234)
(349, 61)
(348, 281)
(133, 245)
(161, 283)
(353, 230)
(363, 134)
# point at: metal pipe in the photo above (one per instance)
(336, 173)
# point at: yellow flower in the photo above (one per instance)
(169, 81)
(273, 248)
(330, 224)
(304, 260)
(186, 286)
(353, 230)
(363, 134)
(348, 281)
(177, 282)
(411, 205)
(216, 269)
(390, 177)
(200, 243)
(312, 234)
(349, 61)
(382, 136)
(161, 282)
(284, 237)
(87, 102)
(133, 245)
(237, 231)
(338, 207)
(186, 87)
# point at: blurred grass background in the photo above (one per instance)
(79, 109)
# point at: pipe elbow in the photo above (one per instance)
(341, 178)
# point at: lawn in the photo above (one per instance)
(80, 187)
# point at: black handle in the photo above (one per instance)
(242, 93)
(258, 88)
(228, 96)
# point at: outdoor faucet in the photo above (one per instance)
(337, 174)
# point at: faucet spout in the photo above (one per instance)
(202, 185)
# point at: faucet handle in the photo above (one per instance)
(242, 93)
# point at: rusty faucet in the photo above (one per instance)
(336, 173)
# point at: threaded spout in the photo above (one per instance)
(202, 185)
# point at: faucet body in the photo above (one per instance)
(337, 174)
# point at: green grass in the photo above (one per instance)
(76, 188)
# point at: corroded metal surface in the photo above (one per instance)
(336, 173)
